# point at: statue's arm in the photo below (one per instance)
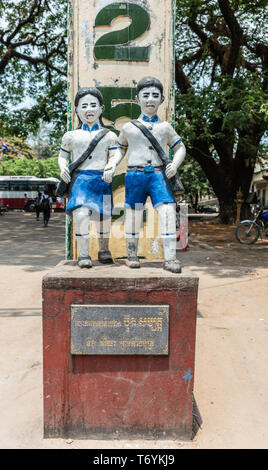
(179, 154)
(115, 157)
(63, 159)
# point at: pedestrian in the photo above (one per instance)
(25, 201)
(46, 202)
(38, 205)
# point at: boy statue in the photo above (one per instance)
(146, 175)
(90, 197)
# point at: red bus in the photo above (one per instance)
(14, 188)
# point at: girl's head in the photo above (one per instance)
(89, 106)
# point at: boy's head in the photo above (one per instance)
(149, 82)
(149, 95)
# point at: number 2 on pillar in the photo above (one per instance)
(116, 44)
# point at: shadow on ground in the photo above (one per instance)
(20, 312)
(212, 248)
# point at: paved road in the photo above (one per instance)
(231, 376)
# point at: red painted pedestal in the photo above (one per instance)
(98, 396)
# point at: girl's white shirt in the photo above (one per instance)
(77, 142)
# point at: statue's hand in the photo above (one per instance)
(171, 170)
(65, 175)
(108, 173)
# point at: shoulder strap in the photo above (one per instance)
(153, 141)
(174, 183)
(90, 149)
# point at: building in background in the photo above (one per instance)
(260, 181)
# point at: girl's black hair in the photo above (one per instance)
(149, 81)
(88, 91)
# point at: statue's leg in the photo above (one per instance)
(133, 220)
(81, 220)
(167, 224)
(103, 227)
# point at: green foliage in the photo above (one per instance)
(194, 180)
(221, 96)
(236, 103)
(18, 148)
(221, 87)
(25, 167)
(33, 66)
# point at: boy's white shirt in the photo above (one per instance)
(131, 139)
(139, 151)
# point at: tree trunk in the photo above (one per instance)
(196, 202)
(228, 211)
(232, 173)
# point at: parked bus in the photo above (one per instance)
(14, 188)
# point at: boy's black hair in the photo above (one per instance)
(149, 81)
(88, 91)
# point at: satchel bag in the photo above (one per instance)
(63, 188)
(174, 183)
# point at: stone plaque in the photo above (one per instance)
(120, 329)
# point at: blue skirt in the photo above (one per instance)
(89, 190)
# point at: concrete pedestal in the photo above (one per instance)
(97, 396)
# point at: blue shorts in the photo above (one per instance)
(140, 184)
(89, 190)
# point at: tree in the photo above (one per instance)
(195, 181)
(33, 63)
(221, 78)
(25, 167)
(18, 148)
(41, 144)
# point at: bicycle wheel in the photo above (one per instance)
(247, 233)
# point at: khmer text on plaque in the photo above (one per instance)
(120, 329)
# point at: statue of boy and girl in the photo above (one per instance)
(90, 196)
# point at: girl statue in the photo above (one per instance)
(90, 197)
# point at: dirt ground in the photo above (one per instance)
(231, 374)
